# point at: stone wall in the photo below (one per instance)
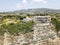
(42, 28)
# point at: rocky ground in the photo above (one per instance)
(25, 39)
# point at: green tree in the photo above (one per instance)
(57, 23)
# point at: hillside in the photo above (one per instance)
(38, 10)
(35, 10)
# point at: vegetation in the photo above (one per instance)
(12, 22)
(15, 26)
(57, 23)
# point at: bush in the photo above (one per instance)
(57, 23)
(14, 29)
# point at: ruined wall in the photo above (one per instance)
(42, 28)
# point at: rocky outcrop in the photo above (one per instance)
(26, 39)
(1, 40)
(49, 42)
(17, 40)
